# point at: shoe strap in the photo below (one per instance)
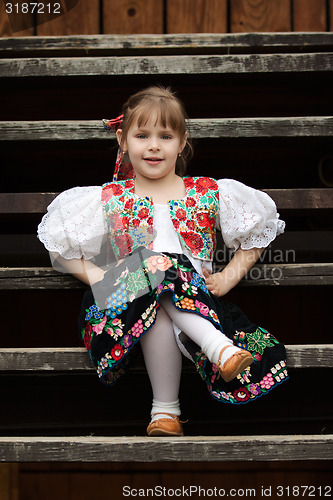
(218, 364)
(175, 417)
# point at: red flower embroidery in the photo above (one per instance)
(190, 202)
(143, 213)
(150, 221)
(204, 220)
(117, 189)
(129, 204)
(185, 275)
(242, 394)
(115, 222)
(106, 194)
(176, 224)
(204, 184)
(87, 336)
(192, 240)
(125, 222)
(189, 182)
(124, 244)
(190, 225)
(181, 214)
(117, 352)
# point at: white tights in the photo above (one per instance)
(162, 355)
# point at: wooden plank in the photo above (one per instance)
(302, 199)
(260, 275)
(186, 43)
(15, 23)
(165, 65)
(285, 199)
(9, 481)
(150, 449)
(260, 15)
(129, 16)
(80, 17)
(46, 485)
(309, 15)
(76, 359)
(197, 16)
(76, 130)
(25, 202)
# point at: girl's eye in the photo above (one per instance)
(166, 136)
(141, 136)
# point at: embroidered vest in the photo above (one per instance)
(130, 218)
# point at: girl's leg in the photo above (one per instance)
(163, 361)
(201, 331)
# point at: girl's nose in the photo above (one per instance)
(154, 144)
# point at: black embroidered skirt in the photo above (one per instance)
(121, 308)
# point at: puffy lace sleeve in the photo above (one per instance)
(248, 217)
(74, 224)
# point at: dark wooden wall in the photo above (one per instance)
(94, 481)
(173, 16)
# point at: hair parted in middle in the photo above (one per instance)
(170, 113)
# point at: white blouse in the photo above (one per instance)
(74, 225)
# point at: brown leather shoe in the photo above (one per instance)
(165, 426)
(235, 364)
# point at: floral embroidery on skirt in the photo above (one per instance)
(122, 307)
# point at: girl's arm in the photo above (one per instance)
(82, 269)
(221, 283)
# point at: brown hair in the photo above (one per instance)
(171, 113)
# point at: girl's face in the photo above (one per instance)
(152, 148)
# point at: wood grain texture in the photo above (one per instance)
(309, 15)
(76, 359)
(133, 16)
(304, 126)
(86, 45)
(285, 199)
(15, 24)
(166, 65)
(197, 16)
(261, 275)
(9, 481)
(82, 19)
(260, 15)
(149, 449)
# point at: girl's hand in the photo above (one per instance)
(220, 283)
(215, 283)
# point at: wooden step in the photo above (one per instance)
(46, 278)
(70, 359)
(285, 199)
(166, 65)
(180, 43)
(166, 449)
(213, 128)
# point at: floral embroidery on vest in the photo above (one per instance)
(130, 218)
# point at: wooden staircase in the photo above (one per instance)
(262, 113)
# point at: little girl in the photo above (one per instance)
(159, 290)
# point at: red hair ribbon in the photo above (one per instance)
(122, 170)
(113, 125)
